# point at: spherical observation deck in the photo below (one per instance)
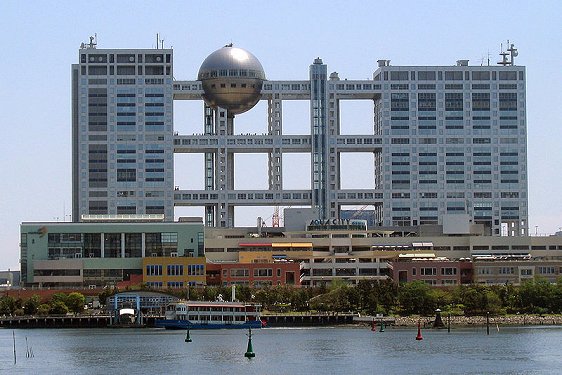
(232, 79)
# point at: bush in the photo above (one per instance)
(75, 302)
(43, 309)
(18, 312)
(30, 306)
(58, 308)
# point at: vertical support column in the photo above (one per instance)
(143, 244)
(229, 173)
(139, 313)
(378, 157)
(333, 161)
(210, 211)
(222, 168)
(102, 245)
(275, 157)
(122, 245)
(319, 114)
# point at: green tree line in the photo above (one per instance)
(536, 296)
(414, 298)
(58, 304)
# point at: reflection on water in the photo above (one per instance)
(528, 350)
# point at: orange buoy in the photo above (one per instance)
(419, 336)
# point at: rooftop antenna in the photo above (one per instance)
(93, 41)
(157, 40)
(513, 52)
(503, 54)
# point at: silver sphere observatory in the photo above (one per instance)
(232, 79)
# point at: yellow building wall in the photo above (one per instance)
(181, 270)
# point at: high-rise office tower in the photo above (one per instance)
(122, 132)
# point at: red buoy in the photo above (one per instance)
(419, 336)
(373, 326)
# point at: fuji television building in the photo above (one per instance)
(448, 143)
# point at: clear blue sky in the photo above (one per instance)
(40, 40)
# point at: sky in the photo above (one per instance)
(41, 39)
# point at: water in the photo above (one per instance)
(525, 350)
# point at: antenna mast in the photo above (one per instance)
(511, 52)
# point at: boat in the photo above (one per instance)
(211, 315)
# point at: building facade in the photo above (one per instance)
(351, 256)
(173, 272)
(122, 132)
(448, 142)
(509, 270)
(101, 254)
(431, 270)
(254, 275)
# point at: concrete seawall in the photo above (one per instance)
(302, 320)
(513, 320)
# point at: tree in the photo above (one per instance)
(75, 302)
(478, 299)
(556, 301)
(368, 300)
(299, 300)
(416, 298)
(43, 309)
(59, 297)
(7, 305)
(30, 306)
(509, 296)
(58, 308)
(243, 293)
(537, 296)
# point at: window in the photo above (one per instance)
(426, 101)
(428, 271)
(547, 270)
(239, 272)
(399, 101)
(480, 101)
(508, 76)
(399, 76)
(453, 101)
(448, 271)
(198, 270)
(154, 270)
(426, 76)
(175, 270)
(506, 270)
(126, 175)
(508, 101)
(263, 272)
(481, 76)
(453, 76)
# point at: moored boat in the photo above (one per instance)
(211, 315)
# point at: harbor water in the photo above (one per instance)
(326, 350)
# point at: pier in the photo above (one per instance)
(308, 320)
(66, 321)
